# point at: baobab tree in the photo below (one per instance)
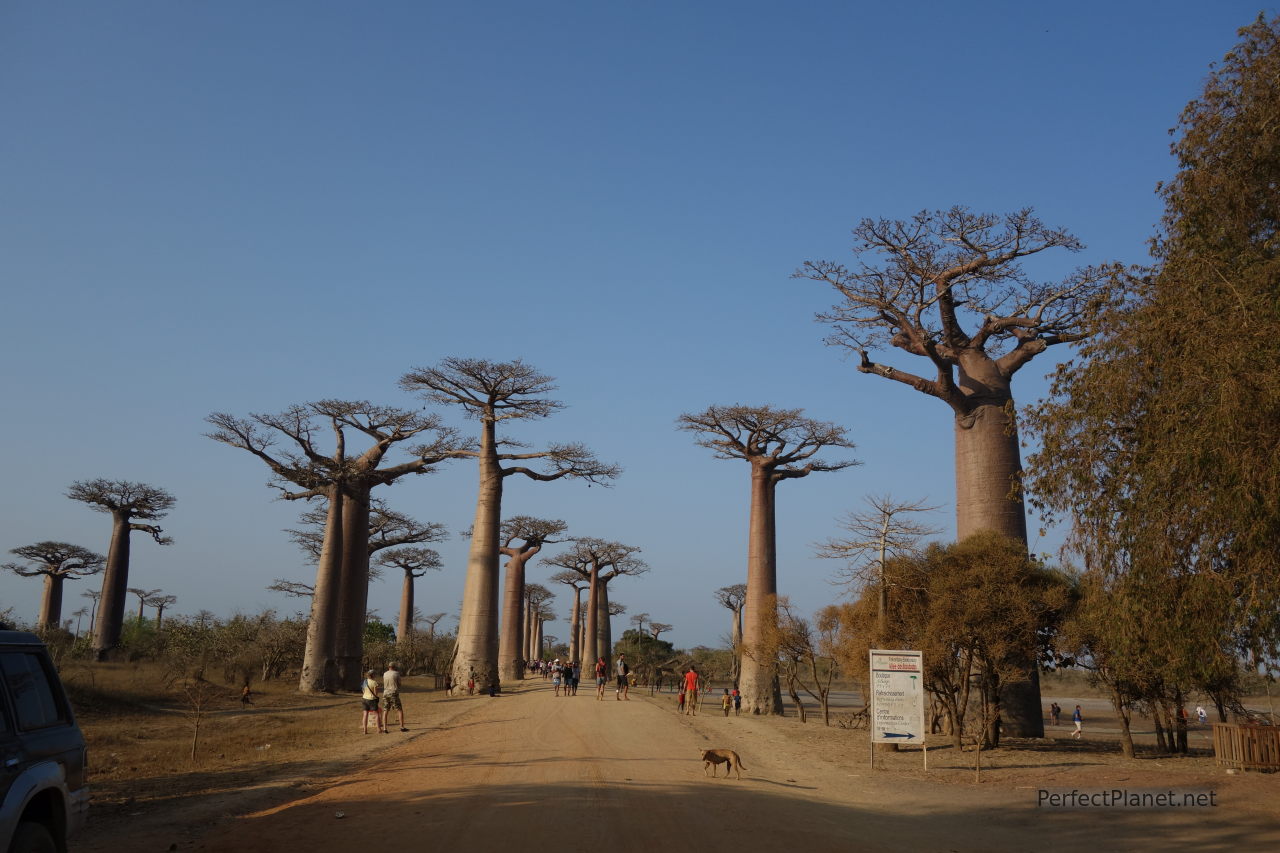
(129, 504)
(56, 562)
(143, 595)
(335, 631)
(590, 558)
(413, 563)
(538, 609)
(877, 535)
(779, 444)
(734, 598)
(657, 629)
(574, 581)
(160, 603)
(521, 537)
(80, 614)
(609, 608)
(640, 620)
(93, 595)
(948, 287)
(493, 392)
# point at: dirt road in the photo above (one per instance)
(529, 772)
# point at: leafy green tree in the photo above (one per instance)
(1161, 443)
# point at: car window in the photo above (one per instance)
(34, 702)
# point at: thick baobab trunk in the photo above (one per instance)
(575, 627)
(593, 651)
(319, 667)
(404, 626)
(510, 655)
(988, 470)
(758, 682)
(527, 636)
(51, 604)
(604, 625)
(537, 637)
(478, 624)
(736, 640)
(353, 596)
(115, 586)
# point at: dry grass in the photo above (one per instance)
(139, 733)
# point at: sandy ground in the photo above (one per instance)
(529, 771)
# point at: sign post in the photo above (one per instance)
(897, 699)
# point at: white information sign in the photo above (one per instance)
(897, 696)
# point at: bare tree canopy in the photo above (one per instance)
(732, 597)
(387, 529)
(877, 534)
(56, 558)
(779, 439)
(949, 286)
(415, 561)
(136, 500)
(295, 589)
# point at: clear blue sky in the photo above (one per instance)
(238, 206)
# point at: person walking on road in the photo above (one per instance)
(1078, 719)
(622, 671)
(691, 691)
(601, 668)
(391, 696)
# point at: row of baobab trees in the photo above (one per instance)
(780, 444)
(945, 287)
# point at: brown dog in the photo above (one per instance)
(714, 757)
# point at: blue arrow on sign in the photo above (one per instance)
(896, 734)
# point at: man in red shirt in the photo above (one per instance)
(691, 691)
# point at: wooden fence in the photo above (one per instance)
(1246, 747)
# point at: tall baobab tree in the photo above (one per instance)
(143, 595)
(335, 632)
(948, 287)
(538, 609)
(877, 535)
(160, 603)
(574, 581)
(493, 392)
(56, 562)
(129, 504)
(93, 595)
(607, 609)
(413, 563)
(657, 629)
(734, 598)
(80, 614)
(590, 557)
(521, 537)
(779, 444)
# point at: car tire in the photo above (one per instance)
(33, 838)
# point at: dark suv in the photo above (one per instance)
(44, 793)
